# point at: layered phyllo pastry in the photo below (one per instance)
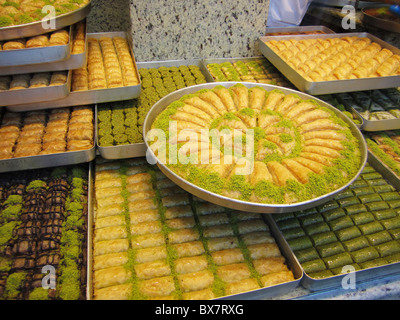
(109, 65)
(257, 70)
(20, 12)
(46, 132)
(153, 240)
(329, 59)
(254, 145)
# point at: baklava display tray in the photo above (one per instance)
(90, 96)
(364, 222)
(379, 98)
(50, 160)
(41, 27)
(265, 73)
(47, 214)
(182, 225)
(139, 149)
(45, 59)
(333, 86)
(36, 96)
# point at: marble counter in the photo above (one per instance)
(167, 30)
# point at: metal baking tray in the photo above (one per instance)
(374, 125)
(35, 95)
(234, 203)
(267, 292)
(36, 28)
(326, 87)
(342, 3)
(122, 151)
(68, 62)
(90, 96)
(384, 24)
(360, 275)
(297, 30)
(50, 160)
(10, 59)
(210, 78)
(383, 169)
(139, 149)
(47, 160)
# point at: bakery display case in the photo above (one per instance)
(84, 192)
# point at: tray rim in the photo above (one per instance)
(234, 203)
(332, 86)
(36, 95)
(383, 24)
(73, 61)
(323, 28)
(34, 28)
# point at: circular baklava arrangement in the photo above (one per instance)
(256, 145)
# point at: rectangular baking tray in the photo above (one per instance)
(51, 160)
(271, 30)
(90, 96)
(365, 274)
(122, 151)
(206, 62)
(263, 293)
(36, 28)
(10, 59)
(327, 87)
(36, 95)
(43, 60)
(374, 125)
(139, 149)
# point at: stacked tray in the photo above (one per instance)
(44, 227)
(47, 24)
(90, 96)
(328, 86)
(358, 231)
(71, 55)
(181, 247)
(156, 83)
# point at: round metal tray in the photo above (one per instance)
(383, 24)
(36, 28)
(234, 203)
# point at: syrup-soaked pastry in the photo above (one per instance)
(40, 80)
(80, 79)
(283, 119)
(59, 38)
(20, 82)
(338, 58)
(58, 78)
(37, 42)
(14, 45)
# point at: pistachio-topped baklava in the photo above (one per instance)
(254, 145)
